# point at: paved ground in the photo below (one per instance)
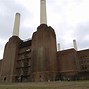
(48, 85)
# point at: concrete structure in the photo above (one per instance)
(44, 45)
(58, 47)
(75, 44)
(43, 15)
(16, 25)
(9, 60)
(8, 67)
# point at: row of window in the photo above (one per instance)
(84, 61)
(85, 67)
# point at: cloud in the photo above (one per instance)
(7, 16)
(66, 17)
(82, 35)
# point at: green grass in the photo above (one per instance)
(29, 87)
(48, 85)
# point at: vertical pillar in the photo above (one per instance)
(58, 47)
(8, 68)
(75, 44)
(16, 25)
(43, 17)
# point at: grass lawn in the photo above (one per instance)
(48, 85)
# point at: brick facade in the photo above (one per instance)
(37, 59)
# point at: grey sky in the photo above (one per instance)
(69, 18)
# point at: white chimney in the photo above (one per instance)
(16, 25)
(43, 16)
(58, 47)
(75, 44)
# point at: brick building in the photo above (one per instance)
(37, 59)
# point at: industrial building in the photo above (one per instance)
(37, 59)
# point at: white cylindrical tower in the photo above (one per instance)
(58, 46)
(75, 44)
(16, 25)
(43, 15)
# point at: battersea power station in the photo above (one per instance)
(37, 59)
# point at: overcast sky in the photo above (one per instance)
(69, 18)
